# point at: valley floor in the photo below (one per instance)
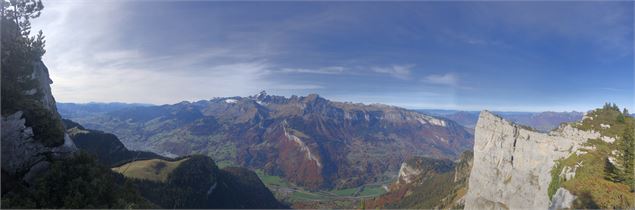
(299, 197)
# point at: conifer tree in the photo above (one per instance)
(628, 157)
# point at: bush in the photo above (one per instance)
(47, 126)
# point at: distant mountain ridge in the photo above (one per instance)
(542, 121)
(309, 140)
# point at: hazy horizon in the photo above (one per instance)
(416, 55)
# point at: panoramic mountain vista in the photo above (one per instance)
(317, 105)
(308, 140)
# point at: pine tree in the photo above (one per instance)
(612, 173)
(628, 157)
(625, 112)
(615, 107)
(21, 11)
(620, 118)
(19, 50)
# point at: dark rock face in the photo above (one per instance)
(26, 153)
(309, 140)
(105, 146)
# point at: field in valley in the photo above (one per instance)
(340, 198)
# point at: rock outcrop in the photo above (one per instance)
(512, 163)
(407, 174)
(23, 156)
(563, 199)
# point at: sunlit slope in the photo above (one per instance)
(154, 169)
(601, 174)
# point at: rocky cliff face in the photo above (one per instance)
(24, 155)
(512, 164)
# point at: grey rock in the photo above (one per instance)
(512, 164)
(20, 151)
(407, 174)
(22, 154)
(36, 170)
(41, 75)
(563, 199)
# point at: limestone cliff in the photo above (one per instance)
(24, 153)
(512, 163)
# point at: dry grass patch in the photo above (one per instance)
(153, 169)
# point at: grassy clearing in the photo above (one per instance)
(345, 192)
(372, 190)
(153, 169)
(304, 196)
(342, 198)
(270, 180)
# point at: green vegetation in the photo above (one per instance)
(345, 192)
(198, 183)
(78, 182)
(21, 54)
(372, 190)
(338, 198)
(555, 180)
(270, 180)
(185, 186)
(303, 195)
(154, 169)
(429, 193)
(603, 171)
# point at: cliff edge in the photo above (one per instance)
(512, 163)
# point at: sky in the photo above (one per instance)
(507, 56)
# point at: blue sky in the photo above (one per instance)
(509, 56)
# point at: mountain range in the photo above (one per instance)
(309, 140)
(542, 121)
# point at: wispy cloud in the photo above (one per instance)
(323, 70)
(611, 89)
(396, 71)
(448, 79)
(296, 87)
